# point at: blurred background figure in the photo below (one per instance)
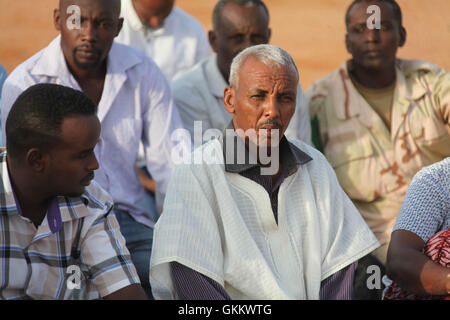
(175, 41)
(171, 37)
(198, 93)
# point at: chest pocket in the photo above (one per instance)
(432, 138)
(354, 162)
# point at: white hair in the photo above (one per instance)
(271, 56)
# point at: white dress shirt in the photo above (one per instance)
(178, 45)
(136, 105)
(198, 94)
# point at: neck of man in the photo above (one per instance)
(225, 73)
(373, 78)
(30, 197)
(83, 75)
(91, 81)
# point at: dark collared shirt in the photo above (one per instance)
(192, 285)
(287, 155)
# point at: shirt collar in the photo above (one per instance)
(348, 96)
(290, 155)
(52, 62)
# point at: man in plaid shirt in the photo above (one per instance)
(56, 230)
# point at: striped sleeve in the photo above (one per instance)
(192, 285)
(339, 286)
(107, 258)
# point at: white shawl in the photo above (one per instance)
(221, 224)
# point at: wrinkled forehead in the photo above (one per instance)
(94, 7)
(359, 12)
(257, 73)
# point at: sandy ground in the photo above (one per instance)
(311, 30)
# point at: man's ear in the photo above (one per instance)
(229, 99)
(402, 37)
(212, 40)
(57, 19)
(36, 160)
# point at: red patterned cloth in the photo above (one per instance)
(437, 249)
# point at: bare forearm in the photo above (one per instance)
(147, 182)
(416, 273)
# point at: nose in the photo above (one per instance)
(89, 32)
(93, 163)
(272, 108)
(372, 35)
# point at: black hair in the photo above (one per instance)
(221, 3)
(37, 115)
(396, 8)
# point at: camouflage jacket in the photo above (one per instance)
(375, 165)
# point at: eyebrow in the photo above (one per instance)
(259, 91)
(91, 149)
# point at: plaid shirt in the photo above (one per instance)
(36, 263)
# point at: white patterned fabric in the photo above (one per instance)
(426, 209)
(221, 224)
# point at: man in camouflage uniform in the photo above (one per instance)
(379, 119)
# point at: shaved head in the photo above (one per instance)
(111, 3)
(87, 42)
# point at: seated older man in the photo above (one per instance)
(256, 215)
